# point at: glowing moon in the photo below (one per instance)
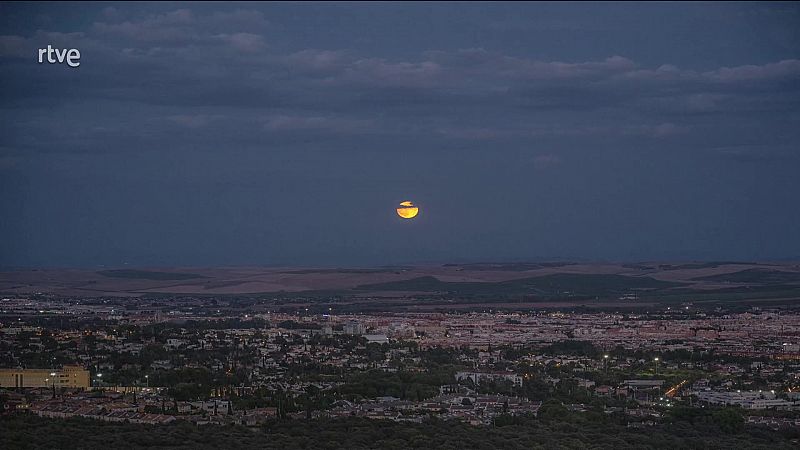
(407, 210)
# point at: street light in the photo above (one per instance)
(53, 375)
(656, 360)
(147, 380)
(605, 361)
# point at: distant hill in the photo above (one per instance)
(552, 285)
(680, 280)
(148, 275)
(757, 276)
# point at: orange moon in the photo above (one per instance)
(407, 210)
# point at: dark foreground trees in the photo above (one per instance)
(27, 431)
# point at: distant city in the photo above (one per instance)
(255, 359)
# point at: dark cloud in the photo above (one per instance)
(280, 133)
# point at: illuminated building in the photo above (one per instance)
(67, 377)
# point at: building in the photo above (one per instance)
(641, 390)
(354, 327)
(643, 384)
(66, 377)
(376, 338)
(213, 407)
(478, 377)
(746, 399)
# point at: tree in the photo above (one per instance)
(553, 411)
(728, 420)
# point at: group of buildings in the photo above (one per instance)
(69, 376)
(243, 354)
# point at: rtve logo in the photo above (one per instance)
(71, 56)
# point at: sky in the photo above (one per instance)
(220, 134)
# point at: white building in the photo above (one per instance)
(746, 399)
(478, 377)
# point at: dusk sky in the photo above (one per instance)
(287, 134)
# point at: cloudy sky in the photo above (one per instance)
(285, 134)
